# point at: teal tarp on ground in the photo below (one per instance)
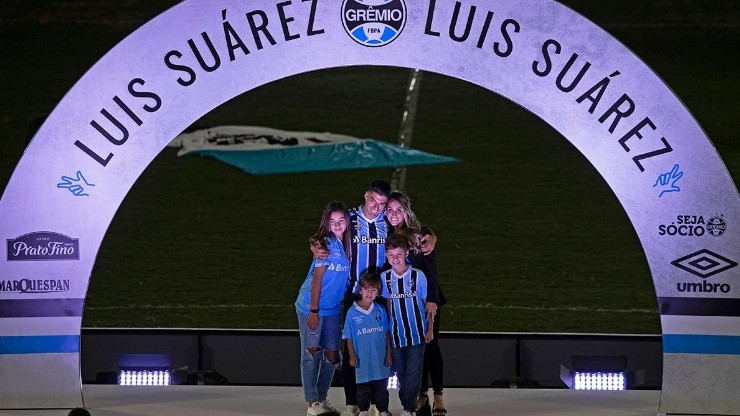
(362, 154)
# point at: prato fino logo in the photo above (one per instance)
(43, 245)
(373, 22)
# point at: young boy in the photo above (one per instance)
(369, 345)
(411, 325)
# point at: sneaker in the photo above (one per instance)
(364, 413)
(351, 411)
(315, 409)
(406, 413)
(373, 411)
(385, 414)
(328, 408)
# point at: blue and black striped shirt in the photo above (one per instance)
(368, 245)
(407, 294)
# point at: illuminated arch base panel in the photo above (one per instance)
(199, 54)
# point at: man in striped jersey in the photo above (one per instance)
(369, 229)
(405, 289)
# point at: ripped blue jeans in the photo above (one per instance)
(317, 371)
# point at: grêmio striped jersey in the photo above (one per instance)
(368, 245)
(407, 294)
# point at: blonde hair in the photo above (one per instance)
(410, 228)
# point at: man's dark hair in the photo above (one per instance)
(380, 187)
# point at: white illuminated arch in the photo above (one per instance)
(540, 54)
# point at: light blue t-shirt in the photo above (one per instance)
(367, 329)
(332, 284)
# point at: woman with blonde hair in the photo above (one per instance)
(422, 256)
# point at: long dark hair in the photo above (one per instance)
(324, 230)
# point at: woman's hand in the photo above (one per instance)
(427, 243)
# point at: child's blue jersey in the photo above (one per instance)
(332, 284)
(368, 244)
(367, 329)
(407, 294)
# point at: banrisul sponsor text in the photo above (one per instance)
(43, 245)
(34, 285)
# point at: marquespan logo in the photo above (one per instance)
(43, 245)
(373, 22)
(34, 285)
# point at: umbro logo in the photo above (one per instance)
(704, 263)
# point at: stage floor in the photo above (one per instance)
(110, 400)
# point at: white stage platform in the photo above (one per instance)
(110, 400)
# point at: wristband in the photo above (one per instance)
(314, 311)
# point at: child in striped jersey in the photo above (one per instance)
(411, 324)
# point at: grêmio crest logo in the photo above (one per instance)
(34, 286)
(373, 22)
(43, 245)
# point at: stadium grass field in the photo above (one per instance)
(531, 237)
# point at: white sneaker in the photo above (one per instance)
(385, 414)
(406, 413)
(373, 411)
(364, 413)
(328, 408)
(315, 409)
(351, 411)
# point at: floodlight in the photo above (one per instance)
(144, 370)
(599, 381)
(600, 372)
(144, 378)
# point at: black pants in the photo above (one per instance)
(433, 360)
(375, 391)
(348, 379)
